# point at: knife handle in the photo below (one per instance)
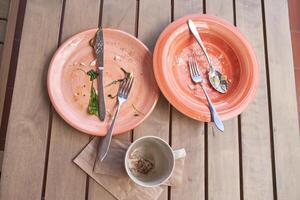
(102, 109)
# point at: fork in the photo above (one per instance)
(123, 93)
(197, 78)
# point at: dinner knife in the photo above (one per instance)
(99, 50)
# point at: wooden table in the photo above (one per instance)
(258, 156)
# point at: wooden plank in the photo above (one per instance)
(64, 179)
(223, 148)
(151, 24)
(2, 30)
(4, 8)
(187, 7)
(122, 17)
(116, 14)
(7, 48)
(25, 147)
(223, 162)
(5, 66)
(119, 15)
(1, 160)
(1, 47)
(283, 99)
(188, 133)
(222, 9)
(256, 149)
(98, 192)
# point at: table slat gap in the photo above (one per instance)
(257, 170)
(64, 179)
(8, 66)
(151, 23)
(114, 14)
(239, 125)
(269, 101)
(283, 99)
(240, 156)
(188, 133)
(223, 148)
(51, 111)
(28, 120)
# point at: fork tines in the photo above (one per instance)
(193, 67)
(125, 87)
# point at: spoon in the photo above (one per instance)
(216, 78)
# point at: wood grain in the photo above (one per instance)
(25, 147)
(120, 16)
(4, 8)
(151, 24)
(223, 148)
(98, 192)
(283, 99)
(187, 7)
(2, 30)
(223, 162)
(7, 50)
(1, 159)
(26, 143)
(1, 47)
(222, 9)
(188, 133)
(256, 149)
(64, 179)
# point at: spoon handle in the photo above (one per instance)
(195, 33)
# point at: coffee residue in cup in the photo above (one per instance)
(139, 164)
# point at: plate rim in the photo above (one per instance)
(64, 116)
(161, 42)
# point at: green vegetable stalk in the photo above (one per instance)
(93, 74)
(93, 102)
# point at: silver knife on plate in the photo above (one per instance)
(99, 50)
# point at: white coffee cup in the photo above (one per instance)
(159, 157)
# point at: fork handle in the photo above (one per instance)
(105, 141)
(214, 115)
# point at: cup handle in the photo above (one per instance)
(179, 153)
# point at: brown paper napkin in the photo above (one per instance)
(112, 176)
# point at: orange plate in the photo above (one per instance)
(230, 52)
(69, 86)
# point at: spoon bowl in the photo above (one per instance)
(217, 80)
(229, 52)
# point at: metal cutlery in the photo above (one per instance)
(99, 50)
(197, 78)
(122, 96)
(215, 77)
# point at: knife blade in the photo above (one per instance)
(99, 50)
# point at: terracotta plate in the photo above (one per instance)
(69, 86)
(230, 52)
